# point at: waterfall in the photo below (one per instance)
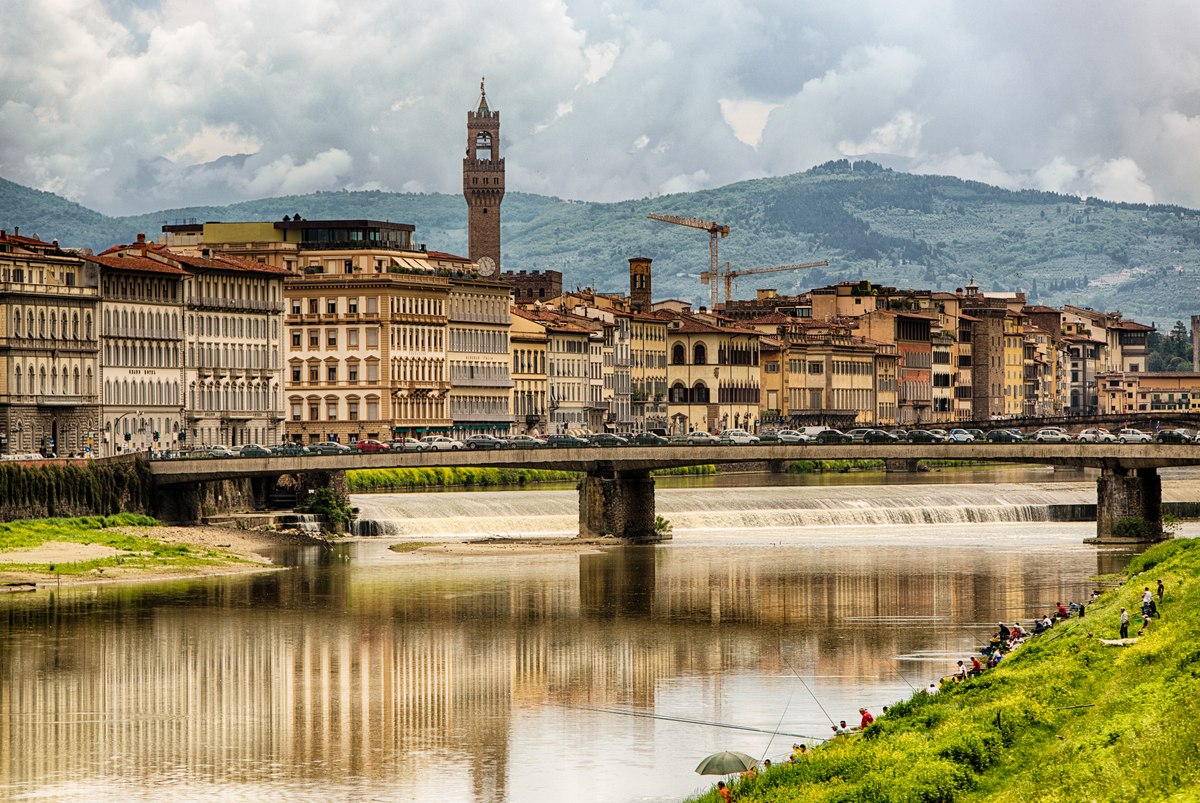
(556, 513)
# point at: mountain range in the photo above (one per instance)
(867, 221)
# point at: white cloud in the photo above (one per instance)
(115, 103)
(747, 118)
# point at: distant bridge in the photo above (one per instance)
(616, 495)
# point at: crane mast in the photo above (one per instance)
(714, 229)
(730, 275)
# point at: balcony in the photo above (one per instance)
(240, 304)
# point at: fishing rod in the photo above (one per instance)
(895, 667)
(686, 721)
(779, 647)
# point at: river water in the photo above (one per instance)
(363, 674)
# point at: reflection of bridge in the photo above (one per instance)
(616, 496)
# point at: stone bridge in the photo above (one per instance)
(616, 495)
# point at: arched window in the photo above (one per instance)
(679, 393)
(699, 354)
(87, 326)
(678, 354)
(17, 376)
(17, 323)
(483, 145)
(699, 393)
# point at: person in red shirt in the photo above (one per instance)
(867, 719)
(723, 791)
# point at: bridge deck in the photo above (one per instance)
(642, 458)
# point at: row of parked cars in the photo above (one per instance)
(728, 437)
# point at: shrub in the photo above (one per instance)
(1134, 527)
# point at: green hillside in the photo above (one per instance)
(867, 221)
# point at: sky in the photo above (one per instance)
(131, 106)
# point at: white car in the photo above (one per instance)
(738, 437)
(440, 443)
(1051, 435)
(1133, 436)
(792, 436)
(1097, 435)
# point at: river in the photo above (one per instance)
(363, 674)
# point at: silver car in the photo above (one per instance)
(440, 443)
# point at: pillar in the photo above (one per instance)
(1121, 494)
(617, 503)
(180, 504)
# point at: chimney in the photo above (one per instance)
(16, 231)
(141, 238)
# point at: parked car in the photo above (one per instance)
(526, 442)
(738, 437)
(481, 441)
(977, 434)
(253, 450)
(440, 443)
(1172, 436)
(290, 449)
(924, 436)
(1095, 435)
(648, 439)
(831, 436)
(793, 436)
(879, 436)
(700, 438)
(407, 445)
(328, 447)
(961, 436)
(1051, 435)
(857, 434)
(370, 445)
(220, 450)
(1133, 436)
(768, 436)
(606, 439)
(1003, 436)
(562, 439)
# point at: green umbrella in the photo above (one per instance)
(726, 762)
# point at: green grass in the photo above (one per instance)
(1065, 718)
(146, 552)
(825, 466)
(393, 479)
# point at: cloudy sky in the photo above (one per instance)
(138, 105)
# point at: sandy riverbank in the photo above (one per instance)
(236, 552)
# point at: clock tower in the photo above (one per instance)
(483, 186)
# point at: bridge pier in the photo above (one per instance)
(180, 504)
(1122, 494)
(617, 503)
(901, 465)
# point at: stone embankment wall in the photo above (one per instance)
(51, 488)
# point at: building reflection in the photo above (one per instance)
(339, 671)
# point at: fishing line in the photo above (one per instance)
(810, 691)
(777, 724)
(686, 721)
(894, 666)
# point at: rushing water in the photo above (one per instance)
(363, 674)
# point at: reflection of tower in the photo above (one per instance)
(483, 185)
(639, 283)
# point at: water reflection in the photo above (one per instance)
(364, 673)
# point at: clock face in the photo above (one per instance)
(487, 266)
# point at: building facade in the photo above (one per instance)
(530, 374)
(49, 348)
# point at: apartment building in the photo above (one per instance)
(648, 371)
(1142, 392)
(142, 344)
(712, 375)
(49, 348)
(530, 374)
(479, 355)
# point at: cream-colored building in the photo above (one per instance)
(479, 354)
(648, 371)
(49, 348)
(142, 348)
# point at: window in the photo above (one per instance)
(331, 410)
(295, 306)
(312, 306)
(353, 410)
(296, 411)
(296, 340)
(372, 372)
(352, 338)
(314, 411)
(352, 306)
(372, 338)
(372, 304)
(352, 373)
(295, 373)
(331, 338)
(372, 410)
(331, 306)
(314, 339)
(312, 374)
(331, 373)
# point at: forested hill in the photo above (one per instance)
(867, 221)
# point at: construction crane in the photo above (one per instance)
(730, 275)
(713, 228)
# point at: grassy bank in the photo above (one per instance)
(1064, 718)
(407, 479)
(138, 552)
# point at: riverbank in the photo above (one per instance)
(51, 553)
(1065, 717)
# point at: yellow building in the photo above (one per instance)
(712, 376)
(648, 371)
(1014, 365)
(1123, 392)
(531, 380)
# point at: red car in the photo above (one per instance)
(369, 445)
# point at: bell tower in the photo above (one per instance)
(483, 185)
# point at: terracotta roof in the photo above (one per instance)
(20, 239)
(1040, 308)
(1133, 326)
(217, 261)
(446, 256)
(136, 262)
